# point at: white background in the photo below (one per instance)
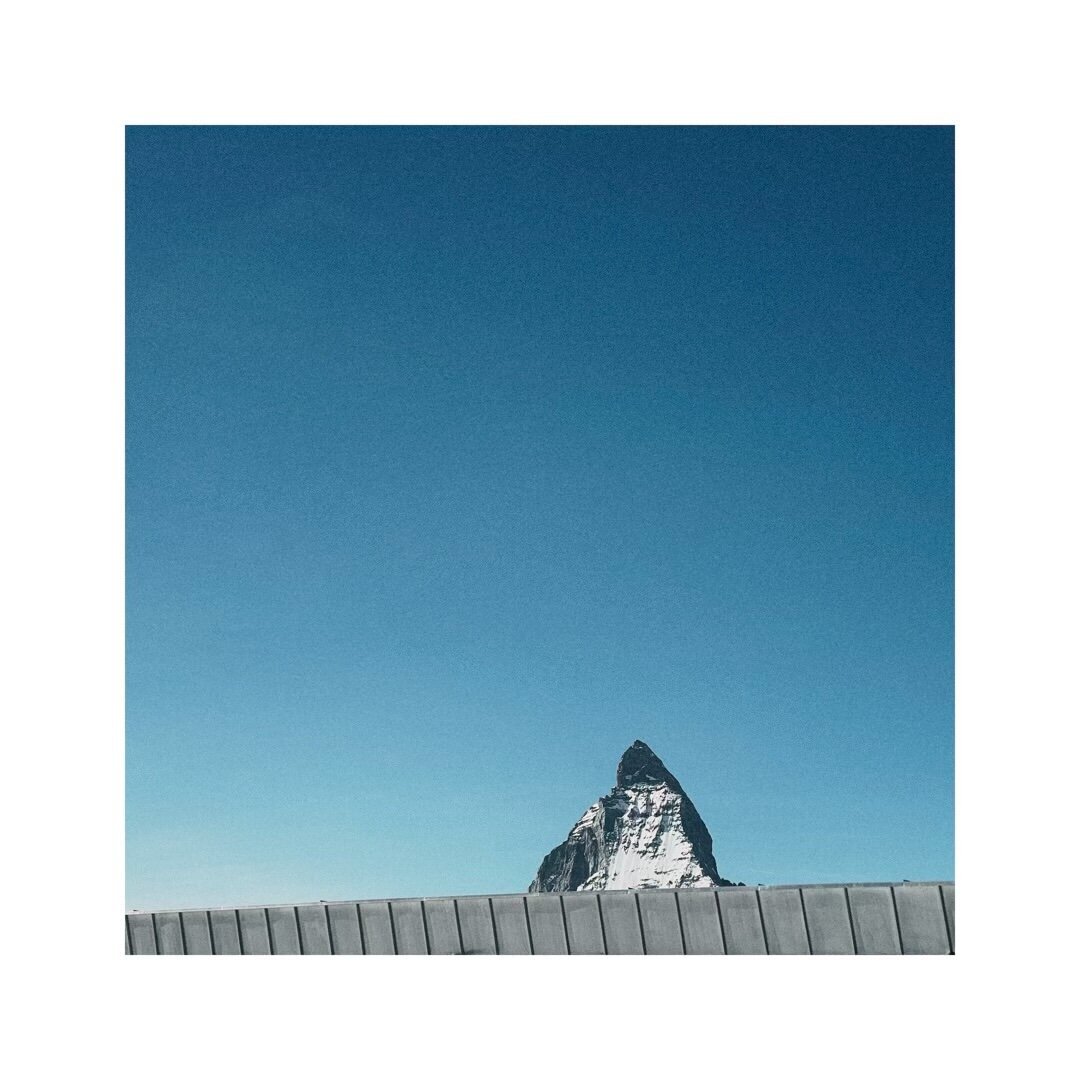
(76, 74)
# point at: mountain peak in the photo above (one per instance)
(646, 834)
(639, 766)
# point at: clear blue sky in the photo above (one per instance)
(460, 458)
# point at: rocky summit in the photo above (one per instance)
(646, 834)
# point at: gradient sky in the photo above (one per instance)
(460, 458)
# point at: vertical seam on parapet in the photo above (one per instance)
(806, 923)
(678, 915)
(494, 928)
(945, 916)
(851, 921)
(153, 928)
(299, 936)
(393, 929)
(565, 926)
(528, 925)
(131, 944)
(457, 920)
(761, 917)
(183, 936)
(720, 917)
(360, 927)
(896, 916)
(239, 936)
(269, 936)
(640, 923)
(603, 931)
(329, 931)
(423, 920)
(210, 932)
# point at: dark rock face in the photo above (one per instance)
(639, 765)
(645, 834)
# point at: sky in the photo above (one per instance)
(460, 458)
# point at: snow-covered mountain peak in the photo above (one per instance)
(645, 834)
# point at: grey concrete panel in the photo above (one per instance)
(143, 939)
(284, 933)
(660, 922)
(741, 919)
(828, 922)
(785, 930)
(345, 937)
(314, 932)
(377, 928)
(622, 928)
(477, 929)
(584, 933)
(197, 933)
(170, 939)
(443, 937)
(254, 932)
(225, 932)
(511, 926)
(700, 922)
(922, 920)
(546, 923)
(948, 898)
(409, 932)
(874, 920)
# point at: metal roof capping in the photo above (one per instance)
(880, 918)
